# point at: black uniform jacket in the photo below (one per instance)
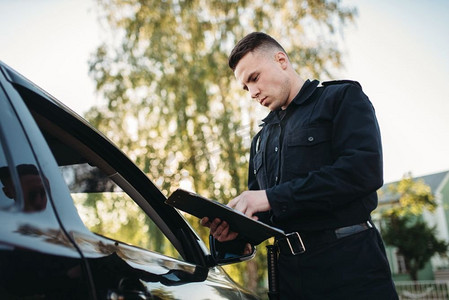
(319, 160)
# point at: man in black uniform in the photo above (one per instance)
(314, 170)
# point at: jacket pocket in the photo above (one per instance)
(307, 150)
(310, 137)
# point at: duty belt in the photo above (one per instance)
(292, 243)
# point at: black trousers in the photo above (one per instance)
(353, 267)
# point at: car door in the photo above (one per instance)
(129, 243)
(38, 260)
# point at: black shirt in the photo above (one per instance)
(320, 160)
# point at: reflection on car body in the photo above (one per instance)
(79, 220)
(34, 196)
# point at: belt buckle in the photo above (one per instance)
(295, 236)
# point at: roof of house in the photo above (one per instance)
(432, 180)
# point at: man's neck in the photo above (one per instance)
(297, 84)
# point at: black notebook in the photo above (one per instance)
(252, 230)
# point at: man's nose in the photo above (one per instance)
(254, 91)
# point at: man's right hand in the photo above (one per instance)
(219, 229)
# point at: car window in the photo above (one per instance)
(108, 211)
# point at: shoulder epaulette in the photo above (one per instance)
(334, 82)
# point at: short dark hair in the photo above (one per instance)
(250, 43)
(22, 169)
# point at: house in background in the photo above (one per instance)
(437, 268)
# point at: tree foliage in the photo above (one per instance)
(404, 228)
(171, 102)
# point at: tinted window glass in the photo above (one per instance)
(103, 207)
(106, 210)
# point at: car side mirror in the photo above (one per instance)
(224, 253)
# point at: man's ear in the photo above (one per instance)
(282, 59)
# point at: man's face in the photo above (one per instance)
(33, 193)
(263, 75)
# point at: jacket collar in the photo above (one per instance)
(304, 94)
(306, 91)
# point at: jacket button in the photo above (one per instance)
(255, 172)
(276, 149)
(310, 138)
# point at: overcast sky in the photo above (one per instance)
(398, 50)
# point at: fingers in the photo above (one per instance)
(226, 235)
(217, 227)
(205, 222)
(250, 203)
(233, 202)
(240, 204)
(220, 230)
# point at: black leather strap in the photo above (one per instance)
(294, 243)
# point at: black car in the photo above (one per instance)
(69, 208)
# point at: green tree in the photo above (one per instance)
(171, 101)
(404, 228)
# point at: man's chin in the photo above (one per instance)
(272, 107)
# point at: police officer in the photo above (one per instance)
(314, 169)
